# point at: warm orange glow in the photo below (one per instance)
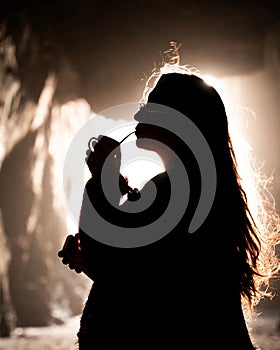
(142, 170)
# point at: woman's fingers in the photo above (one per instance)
(70, 254)
(61, 253)
(65, 261)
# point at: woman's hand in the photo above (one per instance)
(71, 254)
(103, 149)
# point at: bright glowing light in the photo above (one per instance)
(141, 170)
(66, 121)
(144, 165)
(221, 85)
(238, 120)
(212, 81)
(249, 167)
(254, 182)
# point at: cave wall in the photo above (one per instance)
(34, 284)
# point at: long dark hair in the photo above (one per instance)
(255, 236)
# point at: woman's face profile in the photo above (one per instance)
(149, 136)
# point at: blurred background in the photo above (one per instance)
(63, 62)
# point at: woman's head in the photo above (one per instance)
(197, 101)
(191, 96)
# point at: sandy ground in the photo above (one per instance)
(264, 330)
(62, 337)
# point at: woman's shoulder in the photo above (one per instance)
(163, 176)
(157, 186)
(161, 179)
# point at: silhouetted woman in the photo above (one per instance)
(183, 291)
